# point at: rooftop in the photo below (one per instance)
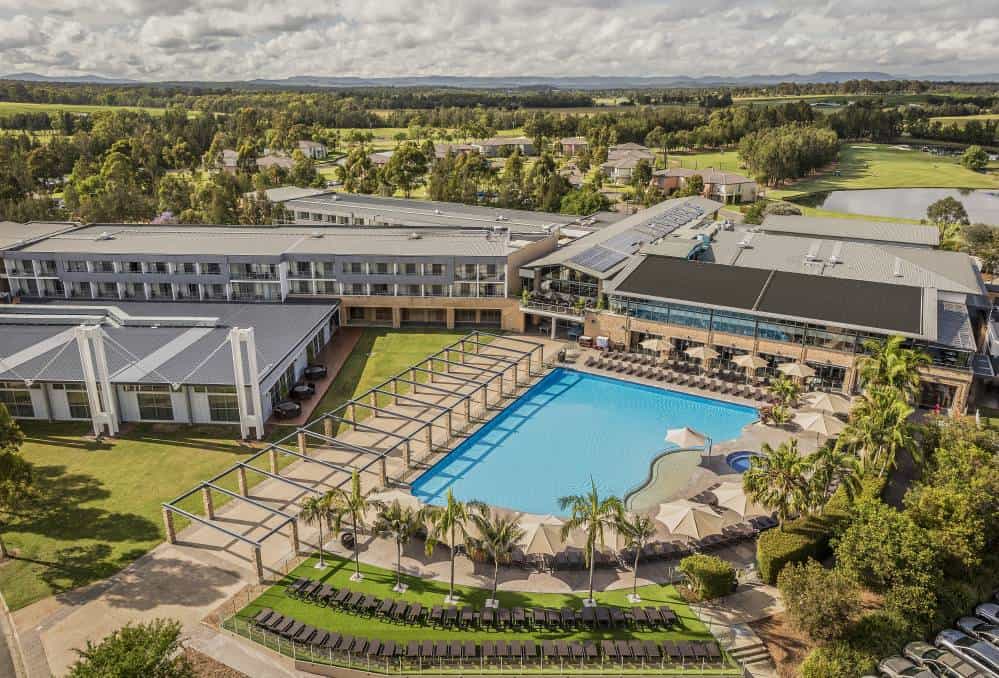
(852, 229)
(709, 174)
(151, 342)
(13, 234)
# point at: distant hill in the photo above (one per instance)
(83, 79)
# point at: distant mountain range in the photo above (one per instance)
(516, 82)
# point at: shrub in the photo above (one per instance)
(149, 650)
(820, 603)
(837, 659)
(710, 576)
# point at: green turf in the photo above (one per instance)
(98, 505)
(379, 582)
(721, 160)
(962, 120)
(11, 107)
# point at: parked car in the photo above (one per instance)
(977, 628)
(989, 612)
(978, 653)
(315, 371)
(303, 391)
(287, 409)
(900, 667)
(943, 662)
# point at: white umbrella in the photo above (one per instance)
(686, 437)
(749, 362)
(690, 518)
(702, 353)
(546, 540)
(827, 402)
(405, 499)
(800, 370)
(732, 497)
(820, 423)
(651, 345)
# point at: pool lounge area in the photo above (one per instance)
(570, 426)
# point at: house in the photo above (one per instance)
(727, 187)
(573, 174)
(441, 150)
(380, 158)
(229, 161)
(499, 146)
(574, 145)
(312, 149)
(267, 161)
(628, 149)
(620, 166)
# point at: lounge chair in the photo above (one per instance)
(261, 617)
(651, 650)
(386, 607)
(304, 634)
(488, 616)
(278, 623)
(623, 649)
(640, 617)
(567, 618)
(319, 640)
(637, 648)
(292, 629)
(503, 617)
(427, 649)
(609, 649)
(332, 641)
(469, 650)
(295, 586)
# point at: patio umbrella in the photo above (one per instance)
(820, 423)
(702, 353)
(545, 539)
(827, 402)
(686, 437)
(731, 496)
(690, 518)
(654, 345)
(800, 370)
(387, 497)
(749, 362)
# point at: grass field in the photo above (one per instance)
(961, 120)
(11, 107)
(721, 160)
(880, 166)
(379, 582)
(98, 505)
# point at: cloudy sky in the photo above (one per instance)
(232, 40)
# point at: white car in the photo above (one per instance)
(978, 653)
(977, 628)
(942, 662)
(900, 667)
(989, 612)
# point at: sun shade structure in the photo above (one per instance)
(819, 422)
(686, 437)
(690, 519)
(701, 353)
(543, 539)
(749, 362)
(731, 496)
(827, 402)
(651, 344)
(799, 370)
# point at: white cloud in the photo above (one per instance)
(234, 39)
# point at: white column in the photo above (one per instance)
(250, 409)
(93, 359)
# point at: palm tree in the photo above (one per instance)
(316, 511)
(498, 536)
(399, 524)
(776, 480)
(786, 390)
(831, 466)
(447, 524)
(353, 504)
(879, 428)
(639, 530)
(594, 515)
(889, 363)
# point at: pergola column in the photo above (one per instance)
(408, 454)
(450, 423)
(430, 439)
(171, 534)
(258, 564)
(206, 500)
(374, 403)
(395, 391)
(303, 445)
(241, 477)
(383, 470)
(272, 455)
(295, 545)
(353, 416)
(328, 427)
(468, 409)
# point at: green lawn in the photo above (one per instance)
(379, 582)
(98, 505)
(10, 107)
(864, 165)
(721, 160)
(962, 119)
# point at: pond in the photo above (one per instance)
(906, 203)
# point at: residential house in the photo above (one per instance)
(498, 146)
(268, 161)
(312, 149)
(574, 145)
(727, 187)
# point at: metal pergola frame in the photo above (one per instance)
(479, 384)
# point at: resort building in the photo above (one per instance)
(574, 145)
(190, 363)
(726, 187)
(836, 228)
(312, 149)
(502, 146)
(622, 160)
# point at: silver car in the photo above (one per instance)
(977, 628)
(981, 655)
(989, 612)
(900, 667)
(942, 662)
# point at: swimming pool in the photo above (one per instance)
(567, 427)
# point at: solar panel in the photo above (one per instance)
(598, 258)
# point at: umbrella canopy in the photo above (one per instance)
(749, 362)
(405, 499)
(651, 344)
(546, 540)
(701, 353)
(800, 370)
(686, 437)
(732, 497)
(819, 422)
(827, 402)
(690, 518)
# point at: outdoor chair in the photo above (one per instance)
(413, 649)
(640, 616)
(319, 640)
(467, 617)
(436, 615)
(369, 604)
(310, 589)
(623, 649)
(450, 615)
(292, 629)
(278, 623)
(386, 607)
(331, 642)
(261, 617)
(637, 648)
(651, 650)
(567, 617)
(324, 594)
(671, 651)
(548, 650)
(454, 650)
(503, 617)
(295, 586)
(415, 613)
(441, 649)
(563, 649)
(488, 617)
(609, 649)
(603, 617)
(617, 616)
(304, 634)
(469, 650)
(427, 649)
(518, 618)
(399, 610)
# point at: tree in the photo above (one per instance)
(16, 473)
(149, 650)
(316, 511)
(947, 210)
(498, 535)
(776, 479)
(879, 429)
(755, 213)
(975, 158)
(889, 363)
(642, 174)
(353, 504)
(448, 524)
(829, 467)
(821, 603)
(639, 531)
(786, 389)
(400, 524)
(694, 185)
(406, 168)
(594, 515)
(586, 200)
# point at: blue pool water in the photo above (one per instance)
(740, 461)
(566, 428)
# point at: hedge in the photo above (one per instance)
(808, 536)
(710, 576)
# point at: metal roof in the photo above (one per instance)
(853, 229)
(13, 234)
(151, 342)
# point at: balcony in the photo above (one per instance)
(552, 308)
(240, 273)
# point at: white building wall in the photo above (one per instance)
(60, 404)
(128, 402)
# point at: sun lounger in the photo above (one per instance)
(617, 616)
(310, 589)
(413, 649)
(331, 641)
(441, 649)
(296, 586)
(427, 649)
(386, 607)
(609, 649)
(399, 610)
(562, 648)
(469, 650)
(292, 630)
(454, 649)
(415, 613)
(548, 650)
(637, 648)
(623, 649)
(436, 615)
(590, 651)
(278, 623)
(304, 634)
(342, 596)
(714, 653)
(517, 616)
(567, 617)
(488, 616)
(324, 594)
(603, 616)
(261, 617)
(503, 649)
(639, 616)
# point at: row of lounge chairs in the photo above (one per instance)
(731, 535)
(467, 617)
(683, 379)
(330, 644)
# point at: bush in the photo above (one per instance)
(710, 576)
(149, 650)
(837, 659)
(820, 603)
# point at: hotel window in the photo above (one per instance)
(79, 404)
(464, 315)
(316, 216)
(330, 219)
(834, 341)
(381, 268)
(689, 317)
(411, 269)
(224, 408)
(409, 290)
(359, 221)
(356, 289)
(356, 267)
(490, 316)
(211, 268)
(381, 290)
(158, 267)
(17, 400)
(788, 333)
(133, 267)
(303, 269)
(435, 291)
(187, 268)
(436, 269)
(356, 313)
(383, 314)
(731, 323)
(76, 266)
(342, 220)
(304, 216)
(156, 406)
(103, 267)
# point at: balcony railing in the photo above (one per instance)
(561, 309)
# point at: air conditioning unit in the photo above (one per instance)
(317, 234)
(415, 236)
(104, 235)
